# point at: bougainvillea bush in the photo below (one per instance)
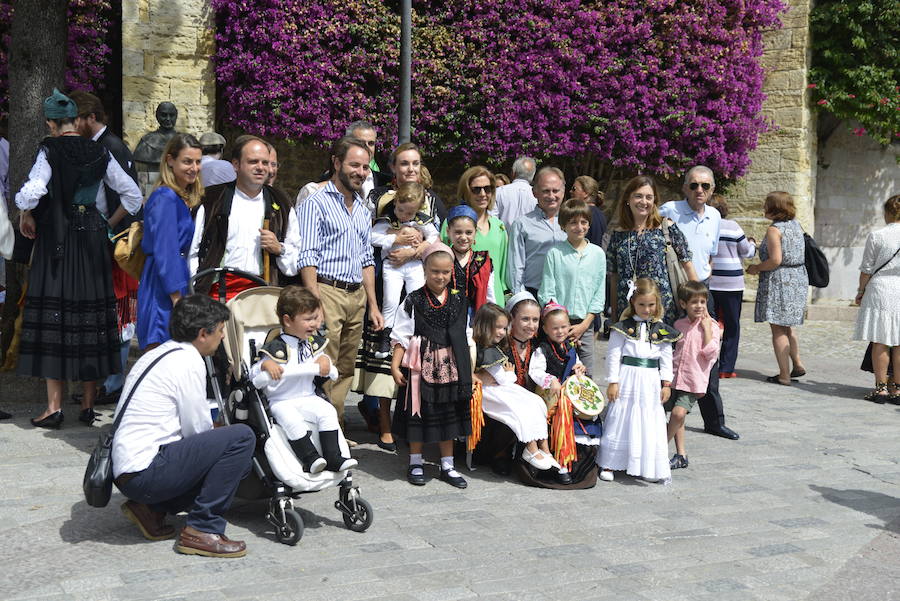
(87, 51)
(650, 84)
(855, 69)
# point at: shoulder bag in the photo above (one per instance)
(816, 264)
(127, 250)
(98, 477)
(677, 274)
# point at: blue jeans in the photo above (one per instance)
(198, 474)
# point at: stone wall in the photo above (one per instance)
(166, 47)
(785, 158)
(855, 176)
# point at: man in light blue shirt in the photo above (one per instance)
(533, 234)
(517, 198)
(700, 225)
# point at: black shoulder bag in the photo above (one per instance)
(98, 476)
(816, 264)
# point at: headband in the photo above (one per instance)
(517, 298)
(462, 211)
(552, 306)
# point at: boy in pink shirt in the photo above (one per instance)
(695, 354)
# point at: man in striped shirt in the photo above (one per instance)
(336, 261)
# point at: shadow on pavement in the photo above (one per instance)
(814, 386)
(879, 505)
(105, 525)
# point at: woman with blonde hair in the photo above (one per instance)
(878, 320)
(168, 230)
(477, 188)
(783, 284)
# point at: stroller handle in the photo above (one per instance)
(219, 273)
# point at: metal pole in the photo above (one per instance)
(405, 69)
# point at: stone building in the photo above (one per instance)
(838, 185)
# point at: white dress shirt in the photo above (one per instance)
(170, 404)
(36, 186)
(513, 200)
(243, 250)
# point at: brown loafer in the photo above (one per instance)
(194, 542)
(151, 523)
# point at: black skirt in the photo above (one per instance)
(439, 420)
(69, 328)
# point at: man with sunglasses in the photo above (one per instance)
(700, 225)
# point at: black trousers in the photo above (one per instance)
(711, 403)
(728, 311)
(198, 474)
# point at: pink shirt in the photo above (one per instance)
(693, 360)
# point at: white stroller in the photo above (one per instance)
(277, 474)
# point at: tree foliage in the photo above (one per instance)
(87, 51)
(651, 85)
(855, 69)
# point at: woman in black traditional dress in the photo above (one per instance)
(432, 367)
(70, 329)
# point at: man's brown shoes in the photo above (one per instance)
(151, 523)
(194, 542)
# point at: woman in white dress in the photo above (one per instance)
(639, 372)
(878, 296)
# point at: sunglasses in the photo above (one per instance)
(479, 189)
(704, 185)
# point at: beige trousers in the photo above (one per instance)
(344, 314)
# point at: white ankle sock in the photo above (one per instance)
(447, 463)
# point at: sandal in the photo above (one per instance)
(893, 393)
(879, 395)
(798, 373)
(775, 380)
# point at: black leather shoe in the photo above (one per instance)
(457, 481)
(87, 416)
(387, 446)
(54, 420)
(415, 479)
(724, 432)
(564, 478)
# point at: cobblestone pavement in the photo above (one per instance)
(805, 505)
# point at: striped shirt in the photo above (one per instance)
(337, 243)
(727, 269)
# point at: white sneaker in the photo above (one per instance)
(542, 463)
(606, 475)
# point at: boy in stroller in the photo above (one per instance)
(292, 363)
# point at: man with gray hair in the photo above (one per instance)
(533, 234)
(365, 131)
(700, 225)
(517, 198)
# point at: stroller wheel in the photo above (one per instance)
(361, 519)
(291, 531)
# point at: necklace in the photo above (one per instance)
(441, 303)
(520, 364)
(465, 271)
(559, 357)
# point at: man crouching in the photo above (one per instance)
(166, 455)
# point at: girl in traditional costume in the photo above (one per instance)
(473, 272)
(524, 412)
(639, 372)
(432, 366)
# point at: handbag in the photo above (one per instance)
(98, 476)
(816, 264)
(128, 252)
(677, 274)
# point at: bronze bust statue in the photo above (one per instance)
(151, 146)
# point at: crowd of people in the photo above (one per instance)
(417, 306)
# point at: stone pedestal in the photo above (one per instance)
(166, 56)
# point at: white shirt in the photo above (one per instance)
(300, 371)
(700, 231)
(385, 241)
(243, 250)
(215, 171)
(537, 369)
(36, 186)
(513, 200)
(170, 404)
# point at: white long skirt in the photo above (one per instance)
(525, 413)
(634, 432)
